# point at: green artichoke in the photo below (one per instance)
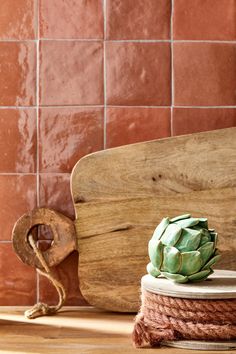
(183, 249)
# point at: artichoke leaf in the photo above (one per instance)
(155, 252)
(180, 217)
(189, 240)
(178, 278)
(203, 223)
(171, 260)
(171, 235)
(191, 262)
(211, 262)
(206, 237)
(206, 251)
(204, 278)
(160, 228)
(153, 270)
(187, 222)
(203, 274)
(214, 238)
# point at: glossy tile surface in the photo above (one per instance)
(18, 140)
(72, 132)
(71, 73)
(17, 196)
(18, 19)
(54, 192)
(78, 19)
(205, 19)
(67, 273)
(132, 125)
(18, 73)
(17, 280)
(149, 19)
(138, 73)
(204, 74)
(193, 120)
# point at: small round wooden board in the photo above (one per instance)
(201, 345)
(220, 285)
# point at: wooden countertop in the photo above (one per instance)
(80, 330)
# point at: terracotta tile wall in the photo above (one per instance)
(80, 76)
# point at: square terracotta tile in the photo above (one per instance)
(18, 140)
(17, 19)
(78, 19)
(138, 74)
(132, 125)
(67, 273)
(18, 73)
(17, 196)
(193, 120)
(204, 74)
(204, 19)
(71, 72)
(54, 193)
(17, 280)
(72, 132)
(149, 19)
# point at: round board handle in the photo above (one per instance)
(220, 285)
(64, 236)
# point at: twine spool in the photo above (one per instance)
(171, 313)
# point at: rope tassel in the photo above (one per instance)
(164, 318)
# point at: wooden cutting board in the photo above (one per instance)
(121, 194)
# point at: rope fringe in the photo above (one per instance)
(41, 309)
(163, 318)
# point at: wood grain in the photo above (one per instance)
(121, 194)
(73, 331)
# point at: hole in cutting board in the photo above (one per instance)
(43, 235)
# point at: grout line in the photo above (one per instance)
(172, 68)
(18, 107)
(204, 107)
(6, 241)
(71, 39)
(37, 133)
(34, 174)
(202, 40)
(55, 173)
(115, 106)
(73, 106)
(37, 287)
(119, 40)
(111, 106)
(104, 78)
(138, 40)
(17, 174)
(49, 106)
(17, 40)
(37, 106)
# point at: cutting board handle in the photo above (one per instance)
(64, 236)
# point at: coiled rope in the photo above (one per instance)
(164, 318)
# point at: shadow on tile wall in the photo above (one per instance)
(81, 76)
